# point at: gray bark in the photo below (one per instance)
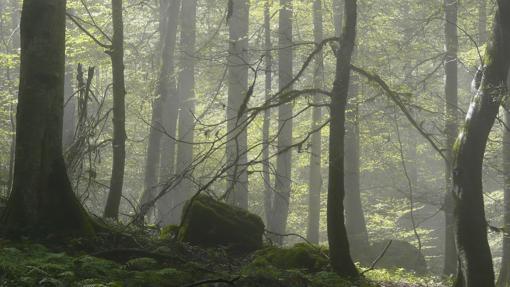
(268, 189)
(237, 139)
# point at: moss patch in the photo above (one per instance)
(300, 256)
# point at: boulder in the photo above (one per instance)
(300, 256)
(400, 254)
(207, 222)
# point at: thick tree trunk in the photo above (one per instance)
(284, 158)
(475, 260)
(187, 108)
(340, 257)
(315, 181)
(119, 113)
(268, 189)
(482, 22)
(451, 94)
(504, 272)
(42, 200)
(236, 147)
(170, 106)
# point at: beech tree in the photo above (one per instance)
(475, 260)
(339, 253)
(42, 200)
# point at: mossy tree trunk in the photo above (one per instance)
(340, 257)
(475, 260)
(42, 200)
(451, 129)
(119, 113)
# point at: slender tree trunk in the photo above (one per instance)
(236, 148)
(187, 105)
(42, 200)
(69, 109)
(451, 94)
(170, 106)
(355, 218)
(119, 113)
(284, 158)
(483, 36)
(315, 181)
(340, 257)
(157, 129)
(268, 190)
(475, 260)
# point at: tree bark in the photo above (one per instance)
(69, 110)
(42, 200)
(284, 158)
(315, 180)
(475, 260)
(237, 139)
(187, 108)
(268, 190)
(119, 113)
(340, 257)
(451, 94)
(170, 106)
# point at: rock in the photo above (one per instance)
(300, 256)
(400, 254)
(209, 223)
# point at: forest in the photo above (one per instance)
(271, 143)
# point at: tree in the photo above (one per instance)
(451, 94)
(340, 257)
(119, 113)
(237, 140)
(268, 190)
(315, 181)
(284, 159)
(170, 106)
(186, 93)
(42, 200)
(168, 30)
(475, 260)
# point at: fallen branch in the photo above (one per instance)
(372, 266)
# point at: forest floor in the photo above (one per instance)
(147, 259)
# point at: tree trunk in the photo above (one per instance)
(475, 260)
(451, 94)
(504, 273)
(170, 106)
(237, 139)
(340, 257)
(42, 200)
(315, 181)
(187, 108)
(268, 190)
(482, 22)
(119, 113)
(69, 110)
(157, 129)
(284, 158)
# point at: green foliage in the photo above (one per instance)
(300, 256)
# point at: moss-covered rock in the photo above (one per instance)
(141, 264)
(300, 256)
(400, 254)
(210, 223)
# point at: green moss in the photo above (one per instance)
(169, 231)
(210, 223)
(300, 256)
(141, 264)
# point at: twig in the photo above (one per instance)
(372, 266)
(209, 281)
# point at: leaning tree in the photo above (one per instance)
(474, 256)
